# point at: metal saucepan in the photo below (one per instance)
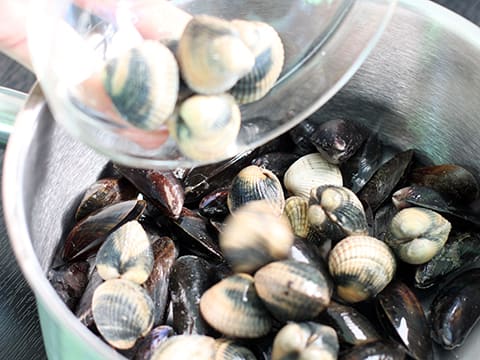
(419, 88)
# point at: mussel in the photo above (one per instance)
(143, 84)
(361, 267)
(417, 235)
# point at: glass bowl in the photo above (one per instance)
(325, 42)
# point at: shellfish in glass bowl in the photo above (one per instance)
(157, 84)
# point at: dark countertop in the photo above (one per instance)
(19, 326)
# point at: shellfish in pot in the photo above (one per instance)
(199, 347)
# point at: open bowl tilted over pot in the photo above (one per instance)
(418, 89)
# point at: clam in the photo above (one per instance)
(277, 162)
(198, 347)
(337, 212)
(83, 310)
(296, 209)
(417, 235)
(351, 326)
(88, 234)
(254, 236)
(305, 341)
(311, 171)
(256, 183)
(292, 290)
(337, 140)
(123, 312)
(143, 84)
(104, 192)
(361, 267)
(126, 253)
(230, 350)
(206, 126)
(455, 311)
(400, 310)
(267, 48)
(233, 307)
(212, 55)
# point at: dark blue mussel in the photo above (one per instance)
(379, 350)
(69, 281)
(152, 341)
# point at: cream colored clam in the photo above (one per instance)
(296, 209)
(198, 347)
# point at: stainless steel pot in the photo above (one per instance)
(419, 88)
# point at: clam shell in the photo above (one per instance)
(143, 84)
(122, 311)
(233, 307)
(230, 350)
(341, 207)
(306, 340)
(311, 171)
(255, 236)
(267, 48)
(361, 267)
(256, 183)
(292, 290)
(205, 126)
(198, 347)
(296, 209)
(212, 55)
(126, 253)
(417, 234)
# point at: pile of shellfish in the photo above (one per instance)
(324, 243)
(193, 85)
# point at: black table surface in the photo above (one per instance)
(20, 336)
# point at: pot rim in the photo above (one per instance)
(13, 178)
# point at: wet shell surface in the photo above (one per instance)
(292, 290)
(230, 350)
(143, 84)
(361, 267)
(126, 253)
(233, 307)
(254, 236)
(267, 48)
(205, 126)
(256, 183)
(307, 341)
(311, 171)
(197, 347)
(341, 207)
(417, 235)
(296, 209)
(212, 56)
(122, 311)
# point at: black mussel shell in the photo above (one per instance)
(383, 218)
(276, 162)
(87, 235)
(400, 310)
(337, 140)
(148, 344)
(159, 186)
(301, 135)
(385, 179)
(69, 281)
(456, 309)
(461, 250)
(376, 350)
(84, 308)
(214, 205)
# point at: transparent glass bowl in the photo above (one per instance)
(325, 42)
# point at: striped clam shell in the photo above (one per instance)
(256, 183)
(233, 307)
(296, 209)
(361, 267)
(341, 206)
(292, 290)
(230, 350)
(122, 311)
(267, 47)
(198, 347)
(205, 126)
(212, 56)
(143, 84)
(126, 253)
(307, 340)
(255, 236)
(311, 171)
(417, 234)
